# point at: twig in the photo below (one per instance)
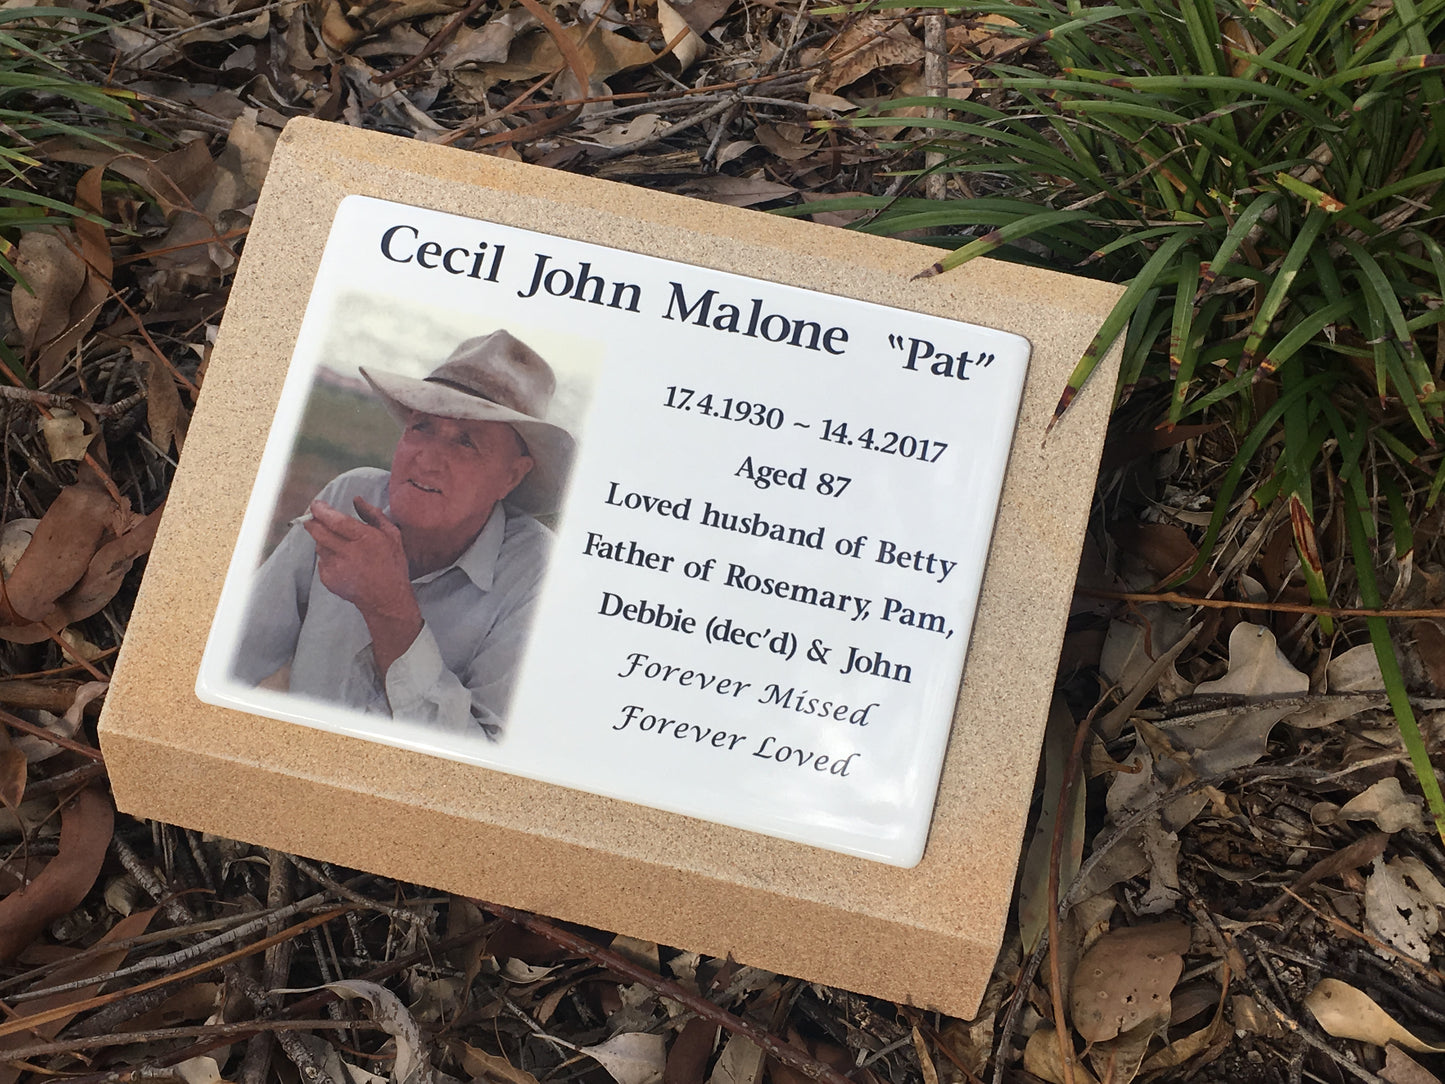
(151, 253)
(943, 1049)
(646, 101)
(1276, 607)
(397, 914)
(275, 968)
(1219, 704)
(667, 133)
(1223, 940)
(786, 1053)
(181, 956)
(24, 1023)
(17, 723)
(65, 646)
(58, 670)
(560, 1045)
(151, 883)
(935, 76)
(1062, 1035)
(795, 32)
(238, 1030)
(67, 402)
(1361, 852)
(1376, 944)
(53, 696)
(1113, 723)
(54, 784)
(156, 937)
(1015, 1007)
(709, 156)
(306, 1005)
(435, 42)
(160, 39)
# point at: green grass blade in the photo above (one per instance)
(1230, 482)
(1390, 669)
(1118, 317)
(1279, 289)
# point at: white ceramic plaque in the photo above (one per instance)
(754, 603)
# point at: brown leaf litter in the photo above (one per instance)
(1244, 888)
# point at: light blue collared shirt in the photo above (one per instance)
(457, 675)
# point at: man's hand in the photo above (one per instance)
(365, 563)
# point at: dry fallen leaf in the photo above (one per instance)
(96, 966)
(58, 555)
(634, 1057)
(54, 273)
(1257, 667)
(604, 54)
(1118, 1060)
(1386, 804)
(106, 570)
(1132, 647)
(521, 971)
(739, 191)
(14, 537)
(740, 1063)
(988, 36)
(873, 42)
(1355, 671)
(199, 1070)
(788, 141)
(490, 1067)
(1402, 902)
(1239, 47)
(1348, 1013)
(74, 563)
(69, 273)
(702, 14)
(86, 825)
(164, 413)
(1041, 1058)
(688, 47)
(231, 186)
(1034, 901)
(65, 437)
(14, 771)
(1250, 1019)
(1196, 1042)
(1400, 1068)
(645, 953)
(411, 1065)
(1327, 710)
(1125, 978)
(642, 126)
(487, 44)
(690, 1052)
(1426, 643)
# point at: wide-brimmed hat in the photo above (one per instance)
(493, 378)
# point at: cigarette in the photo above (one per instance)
(307, 517)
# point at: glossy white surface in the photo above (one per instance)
(728, 630)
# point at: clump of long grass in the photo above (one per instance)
(1267, 179)
(42, 96)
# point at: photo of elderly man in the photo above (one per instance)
(409, 592)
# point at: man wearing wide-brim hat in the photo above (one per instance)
(410, 592)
